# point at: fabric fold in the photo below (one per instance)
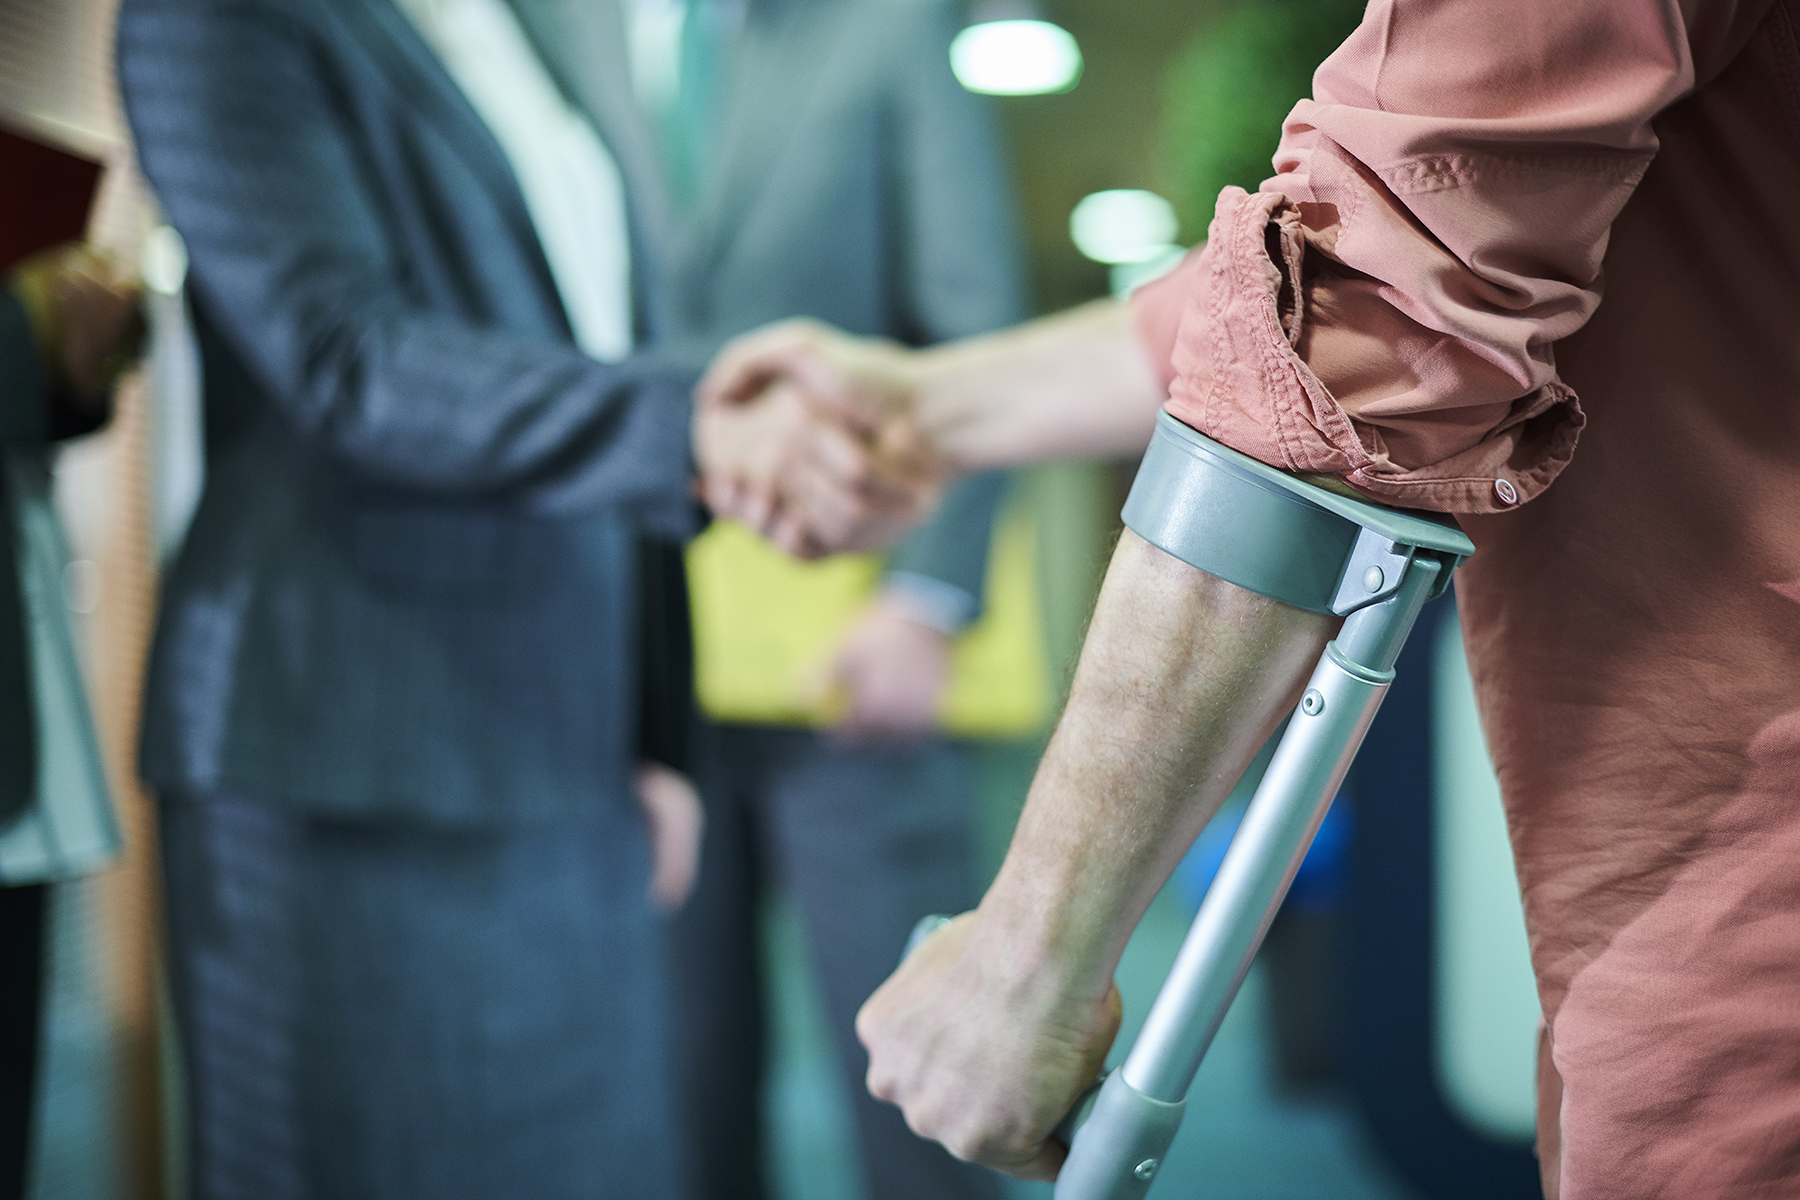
(1265, 297)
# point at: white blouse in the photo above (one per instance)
(570, 181)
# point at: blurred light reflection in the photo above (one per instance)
(1123, 225)
(1016, 58)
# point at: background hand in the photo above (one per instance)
(85, 313)
(894, 667)
(982, 1052)
(672, 810)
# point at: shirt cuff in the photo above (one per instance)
(939, 605)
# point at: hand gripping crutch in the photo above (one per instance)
(1251, 525)
(1292, 541)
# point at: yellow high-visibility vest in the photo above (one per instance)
(766, 628)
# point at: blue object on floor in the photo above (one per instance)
(1317, 887)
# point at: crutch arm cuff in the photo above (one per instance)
(1273, 533)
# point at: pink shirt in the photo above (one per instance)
(1414, 303)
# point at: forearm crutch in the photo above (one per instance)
(1251, 525)
(1254, 526)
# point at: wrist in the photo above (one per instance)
(942, 402)
(1049, 922)
(1042, 963)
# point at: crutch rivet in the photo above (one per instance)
(1373, 579)
(1145, 1169)
(1312, 704)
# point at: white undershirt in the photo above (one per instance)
(653, 37)
(570, 181)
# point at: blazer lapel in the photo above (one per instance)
(393, 42)
(774, 66)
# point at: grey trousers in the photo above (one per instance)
(393, 1012)
(866, 840)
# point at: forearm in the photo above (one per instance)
(1182, 679)
(1076, 384)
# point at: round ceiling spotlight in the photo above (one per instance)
(1016, 58)
(1123, 225)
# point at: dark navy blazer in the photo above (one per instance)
(410, 587)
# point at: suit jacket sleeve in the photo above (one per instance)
(244, 127)
(1385, 308)
(959, 264)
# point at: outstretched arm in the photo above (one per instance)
(1075, 385)
(989, 1032)
(343, 325)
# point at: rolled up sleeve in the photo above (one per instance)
(1385, 308)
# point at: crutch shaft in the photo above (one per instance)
(1308, 768)
(1117, 1151)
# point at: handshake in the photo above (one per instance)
(824, 442)
(816, 439)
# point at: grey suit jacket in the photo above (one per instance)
(410, 587)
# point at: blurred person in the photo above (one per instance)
(1410, 308)
(69, 325)
(415, 706)
(419, 689)
(818, 157)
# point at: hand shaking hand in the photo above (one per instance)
(806, 434)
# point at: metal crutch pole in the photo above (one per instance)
(1117, 1149)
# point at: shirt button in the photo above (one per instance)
(1504, 489)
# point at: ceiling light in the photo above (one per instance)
(1123, 225)
(1015, 58)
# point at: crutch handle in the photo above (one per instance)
(1118, 1141)
(924, 929)
(1077, 1115)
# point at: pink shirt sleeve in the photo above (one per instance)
(1385, 308)
(1156, 310)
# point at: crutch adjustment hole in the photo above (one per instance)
(1145, 1169)
(1313, 703)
